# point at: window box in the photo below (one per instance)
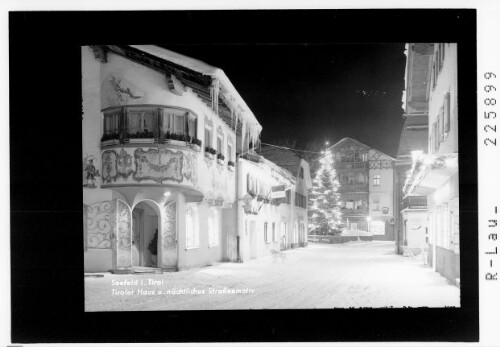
(141, 140)
(221, 159)
(195, 147)
(110, 142)
(210, 152)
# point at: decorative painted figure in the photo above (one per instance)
(92, 173)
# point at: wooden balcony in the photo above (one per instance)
(415, 202)
(351, 165)
(353, 188)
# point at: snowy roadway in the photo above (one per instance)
(356, 274)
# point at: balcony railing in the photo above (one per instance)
(415, 202)
(354, 211)
(149, 124)
(347, 188)
(351, 165)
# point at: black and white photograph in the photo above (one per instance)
(350, 199)
(248, 175)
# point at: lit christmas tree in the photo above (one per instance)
(324, 211)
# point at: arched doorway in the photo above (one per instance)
(145, 234)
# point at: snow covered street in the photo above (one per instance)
(355, 274)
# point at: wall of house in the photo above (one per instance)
(447, 264)
(268, 214)
(444, 214)
(443, 201)
(384, 192)
(98, 260)
(120, 82)
(145, 165)
(382, 213)
(444, 228)
(91, 104)
(414, 229)
(204, 254)
(229, 233)
(254, 246)
(217, 181)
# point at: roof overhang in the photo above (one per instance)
(430, 172)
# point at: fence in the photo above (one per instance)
(337, 239)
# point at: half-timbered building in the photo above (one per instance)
(366, 178)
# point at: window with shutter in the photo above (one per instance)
(440, 121)
(435, 136)
(447, 112)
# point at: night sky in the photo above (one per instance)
(316, 92)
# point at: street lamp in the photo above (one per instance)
(368, 220)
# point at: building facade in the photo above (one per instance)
(272, 207)
(435, 174)
(366, 178)
(161, 133)
(412, 230)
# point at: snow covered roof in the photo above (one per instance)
(349, 139)
(285, 158)
(219, 80)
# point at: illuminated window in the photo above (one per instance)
(140, 122)
(376, 180)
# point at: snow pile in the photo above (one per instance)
(351, 232)
(319, 276)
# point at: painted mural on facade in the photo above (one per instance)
(158, 164)
(118, 90)
(123, 233)
(99, 225)
(116, 164)
(169, 234)
(90, 172)
(190, 167)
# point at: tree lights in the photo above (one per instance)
(324, 211)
